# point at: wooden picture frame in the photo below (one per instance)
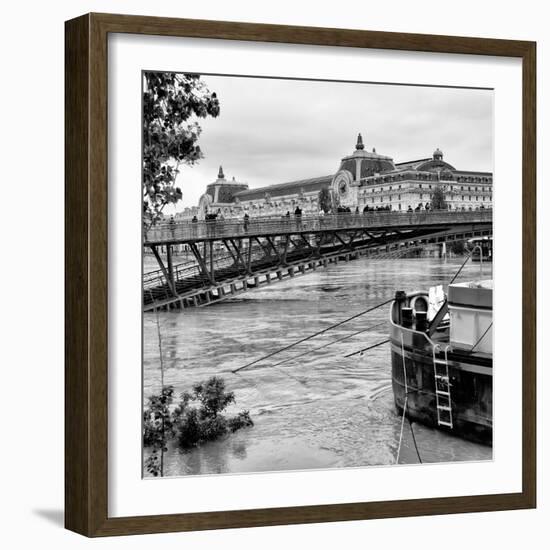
(86, 282)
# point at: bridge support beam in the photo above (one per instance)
(168, 276)
(170, 263)
(202, 262)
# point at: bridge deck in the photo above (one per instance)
(186, 231)
(272, 250)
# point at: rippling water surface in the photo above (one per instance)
(320, 410)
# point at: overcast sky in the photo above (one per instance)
(272, 131)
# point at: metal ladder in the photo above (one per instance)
(442, 388)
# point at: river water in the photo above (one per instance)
(320, 410)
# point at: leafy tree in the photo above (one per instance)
(158, 426)
(438, 199)
(171, 104)
(212, 396)
(325, 200)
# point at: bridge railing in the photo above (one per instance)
(156, 278)
(182, 231)
(183, 271)
(186, 270)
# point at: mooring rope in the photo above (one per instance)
(481, 337)
(329, 344)
(460, 269)
(312, 335)
(367, 348)
(414, 441)
(406, 395)
(402, 426)
(412, 433)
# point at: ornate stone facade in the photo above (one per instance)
(364, 180)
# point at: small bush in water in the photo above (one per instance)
(190, 425)
(196, 425)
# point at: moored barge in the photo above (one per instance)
(442, 358)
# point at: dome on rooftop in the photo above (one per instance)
(362, 163)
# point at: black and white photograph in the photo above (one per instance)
(287, 339)
(317, 274)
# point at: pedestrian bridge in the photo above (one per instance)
(231, 257)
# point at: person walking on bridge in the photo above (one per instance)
(286, 218)
(172, 226)
(298, 216)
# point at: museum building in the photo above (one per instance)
(364, 178)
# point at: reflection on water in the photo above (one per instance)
(321, 410)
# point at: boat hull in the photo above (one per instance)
(471, 388)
